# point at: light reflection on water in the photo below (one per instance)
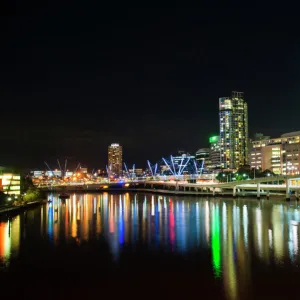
(232, 231)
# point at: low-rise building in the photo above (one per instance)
(10, 182)
(215, 152)
(279, 155)
(203, 158)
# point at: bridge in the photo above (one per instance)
(286, 185)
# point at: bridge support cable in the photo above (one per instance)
(150, 168)
(185, 166)
(168, 166)
(60, 168)
(175, 173)
(126, 169)
(49, 168)
(65, 172)
(196, 168)
(181, 165)
(202, 167)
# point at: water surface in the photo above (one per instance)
(146, 245)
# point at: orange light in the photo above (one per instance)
(105, 186)
(126, 184)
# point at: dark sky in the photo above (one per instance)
(75, 77)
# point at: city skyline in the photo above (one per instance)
(147, 78)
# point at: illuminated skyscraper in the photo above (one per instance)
(115, 159)
(233, 113)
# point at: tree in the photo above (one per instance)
(32, 194)
(267, 173)
(26, 183)
(2, 198)
(225, 176)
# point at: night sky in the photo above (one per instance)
(75, 77)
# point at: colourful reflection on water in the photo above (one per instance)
(232, 232)
(10, 237)
(216, 242)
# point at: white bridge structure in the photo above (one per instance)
(259, 186)
(196, 185)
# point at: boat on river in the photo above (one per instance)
(64, 196)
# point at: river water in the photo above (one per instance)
(142, 245)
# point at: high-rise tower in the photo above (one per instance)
(233, 113)
(115, 159)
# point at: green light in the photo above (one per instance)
(213, 139)
(215, 243)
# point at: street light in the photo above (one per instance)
(226, 176)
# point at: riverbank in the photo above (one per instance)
(11, 210)
(189, 192)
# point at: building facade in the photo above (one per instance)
(279, 155)
(233, 113)
(203, 158)
(10, 182)
(215, 154)
(115, 154)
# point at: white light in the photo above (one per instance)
(8, 198)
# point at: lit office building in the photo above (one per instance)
(233, 113)
(268, 157)
(10, 183)
(115, 159)
(203, 158)
(279, 155)
(215, 154)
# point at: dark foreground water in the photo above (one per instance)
(143, 246)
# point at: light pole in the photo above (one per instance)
(226, 177)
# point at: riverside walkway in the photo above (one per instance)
(283, 185)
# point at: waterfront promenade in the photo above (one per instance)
(285, 186)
